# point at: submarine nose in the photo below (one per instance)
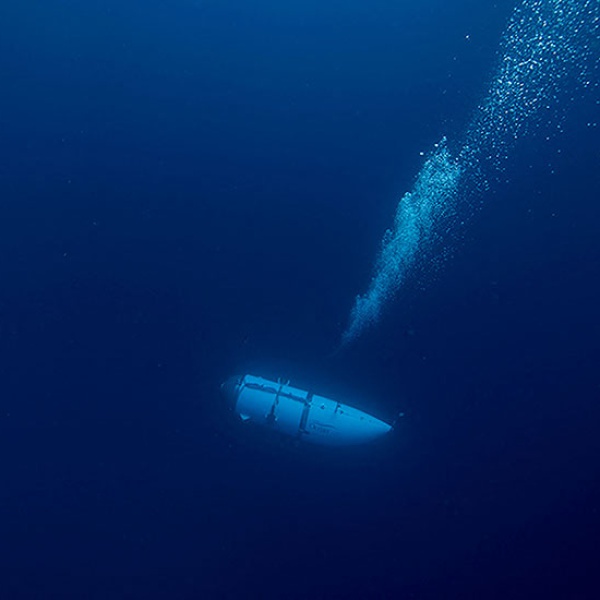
(230, 389)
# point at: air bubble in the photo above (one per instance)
(544, 55)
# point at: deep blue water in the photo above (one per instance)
(192, 188)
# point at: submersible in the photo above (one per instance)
(300, 413)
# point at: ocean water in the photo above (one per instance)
(391, 202)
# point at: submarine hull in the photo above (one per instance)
(298, 413)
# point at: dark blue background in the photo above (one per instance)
(194, 188)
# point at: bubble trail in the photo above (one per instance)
(549, 58)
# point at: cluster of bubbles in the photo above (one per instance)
(549, 57)
(429, 202)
